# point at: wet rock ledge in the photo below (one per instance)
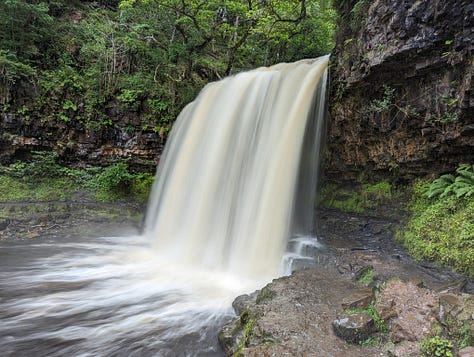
(362, 296)
(318, 312)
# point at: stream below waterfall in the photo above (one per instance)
(107, 296)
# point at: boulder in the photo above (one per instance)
(450, 306)
(358, 299)
(354, 327)
(466, 352)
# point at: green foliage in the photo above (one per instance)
(115, 177)
(441, 186)
(436, 346)
(356, 199)
(150, 56)
(380, 325)
(12, 189)
(24, 29)
(68, 104)
(466, 336)
(367, 277)
(379, 322)
(41, 165)
(40, 178)
(130, 98)
(381, 105)
(460, 185)
(11, 69)
(448, 117)
(358, 14)
(44, 178)
(141, 186)
(441, 229)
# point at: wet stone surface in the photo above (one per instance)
(354, 327)
(298, 319)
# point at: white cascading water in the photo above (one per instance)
(225, 194)
(236, 181)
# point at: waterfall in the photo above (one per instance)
(236, 181)
(238, 174)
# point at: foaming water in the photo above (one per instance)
(234, 175)
(109, 297)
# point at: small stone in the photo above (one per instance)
(342, 269)
(450, 299)
(418, 283)
(359, 299)
(450, 306)
(385, 310)
(403, 349)
(466, 352)
(355, 327)
(362, 271)
(243, 302)
(32, 234)
(4, 223)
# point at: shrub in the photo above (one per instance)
(43, 164)
(43, 178)
(112, 182)
(436, 346)
(141, 186)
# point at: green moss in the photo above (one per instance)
(264, 295)
(441, 230)
(246, 325)
(367, 277)
(12, 190)
(358, 199)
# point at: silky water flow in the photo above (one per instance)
(236, 182)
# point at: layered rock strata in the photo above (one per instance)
(402, 96)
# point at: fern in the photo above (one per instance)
(466, 177)
(464, 167)
(440, 186)
(461, 185)
(464, 191)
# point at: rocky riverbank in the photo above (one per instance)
(360, 295)
(359, 267)
(71, 218)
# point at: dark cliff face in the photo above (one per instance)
(402, 96)
(125, 135)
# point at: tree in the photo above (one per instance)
(216, 38)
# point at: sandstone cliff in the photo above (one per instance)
(402, 96)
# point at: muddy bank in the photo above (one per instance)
(294, 315)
